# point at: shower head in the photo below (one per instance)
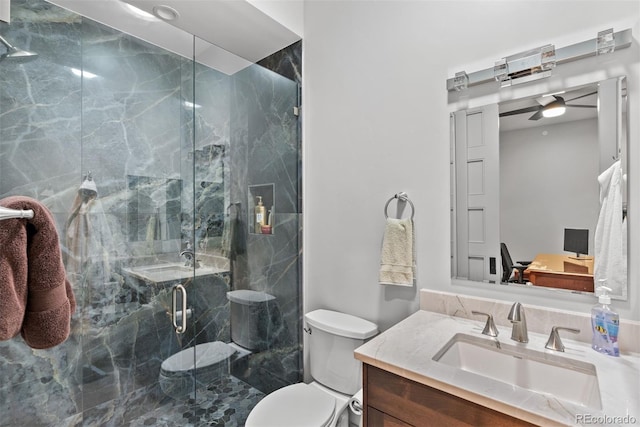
(15, 54)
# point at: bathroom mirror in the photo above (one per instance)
(153, 209)
(520, 180)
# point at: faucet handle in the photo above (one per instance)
(554, 342)
(489, 327)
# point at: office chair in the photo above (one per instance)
(508, 266)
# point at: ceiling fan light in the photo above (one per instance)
(554, 112)
(554, 109)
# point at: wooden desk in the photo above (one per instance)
(561, 271)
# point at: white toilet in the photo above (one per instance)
(212, 360)
(337, 376)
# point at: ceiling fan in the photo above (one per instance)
(550, 106)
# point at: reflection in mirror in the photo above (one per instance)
(542, 190)
(209, 196)
(153, 210)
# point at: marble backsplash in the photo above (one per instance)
(539, 319)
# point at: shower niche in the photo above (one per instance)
(261, 209)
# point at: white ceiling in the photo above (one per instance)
(233, 33)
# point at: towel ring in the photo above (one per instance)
(400, 196)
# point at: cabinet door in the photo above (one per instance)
(380, 419)
(418, 405)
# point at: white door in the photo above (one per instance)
(476, 204)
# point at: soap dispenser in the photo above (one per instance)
(605, 323)
(260, 213)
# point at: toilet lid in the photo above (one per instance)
(206, 354)
(297, 405)
(249, 297)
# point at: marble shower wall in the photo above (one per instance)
(40, 103)
(131, 120)
(265, 144)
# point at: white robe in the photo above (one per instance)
(610, 240)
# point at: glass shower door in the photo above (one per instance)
(158, 135)
(206, 126)
(135, 142)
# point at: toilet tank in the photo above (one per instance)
(250, 319)
(334, 337)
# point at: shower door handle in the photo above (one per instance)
(180, 329)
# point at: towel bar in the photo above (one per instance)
(400, 196)
(6, 213)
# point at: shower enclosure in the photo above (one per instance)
(176, 151)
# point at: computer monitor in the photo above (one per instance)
(576, 240)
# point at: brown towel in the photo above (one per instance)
(36, 298)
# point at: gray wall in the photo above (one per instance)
(548, 183)
(377, 122)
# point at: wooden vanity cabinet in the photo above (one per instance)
(394, 401)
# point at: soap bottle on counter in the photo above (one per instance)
(260, 213)
(605, 323)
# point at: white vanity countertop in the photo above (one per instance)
(407, 348)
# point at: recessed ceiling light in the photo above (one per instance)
(166, 13)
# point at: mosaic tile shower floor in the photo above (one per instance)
(228, 406)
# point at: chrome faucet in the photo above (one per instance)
(190, 256)
(519, 321)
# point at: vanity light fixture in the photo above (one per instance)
(460, 81)
(526, 66)
(605, 43)
(166, 13)
(537, 63)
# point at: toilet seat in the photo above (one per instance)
(201, 366)
(206, 354)
(296, 405)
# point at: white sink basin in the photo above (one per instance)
(163, 267)
(564, 378)
(170, 271)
